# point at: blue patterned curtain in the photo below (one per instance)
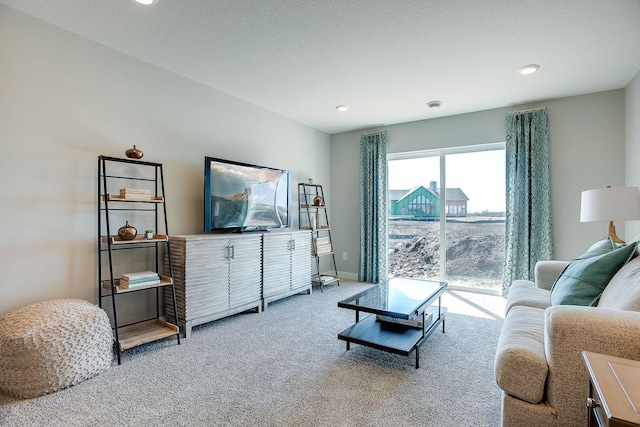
(528, 234)
(373, 208)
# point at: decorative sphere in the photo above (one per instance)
(134, 153)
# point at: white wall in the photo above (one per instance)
(64, 100)
(587, 135)
(632, 153)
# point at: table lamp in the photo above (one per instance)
(610, 204)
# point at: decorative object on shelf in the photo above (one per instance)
(318, 200)
(127, 232)
(310, 180)
(148, 234)
(134, 153)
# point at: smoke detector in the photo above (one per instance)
(434, 104)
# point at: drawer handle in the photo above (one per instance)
(231, 253)
(592, 403)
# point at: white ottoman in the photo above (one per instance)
(52, 345)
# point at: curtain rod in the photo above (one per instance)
(528, 111)
(373, 133)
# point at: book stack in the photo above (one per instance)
(135, 193)
(323, 280)
(414, 322)
(322, 245)
(141, 278)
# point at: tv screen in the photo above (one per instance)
(244, 197)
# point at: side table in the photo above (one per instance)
(614, 392)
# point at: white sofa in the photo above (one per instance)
(538, 362)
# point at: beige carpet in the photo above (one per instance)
(286, 367)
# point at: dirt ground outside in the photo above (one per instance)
(474, 251)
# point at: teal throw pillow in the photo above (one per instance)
(599, 248)
(584, 279)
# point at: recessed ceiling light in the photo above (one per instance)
(342, 108)
(145, 2)
(434, 104)
(529, 69)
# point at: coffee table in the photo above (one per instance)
(402, 315)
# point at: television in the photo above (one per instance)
(242, 197)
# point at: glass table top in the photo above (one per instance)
(397, 297)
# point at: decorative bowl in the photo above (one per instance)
(134, 153)
(127, 232)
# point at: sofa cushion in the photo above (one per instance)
(600, 247)
(584, 279)
(524, 292)
(623, 291)
(520, 364)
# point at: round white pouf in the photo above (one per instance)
(52, 345)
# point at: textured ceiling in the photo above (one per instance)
(386, 59)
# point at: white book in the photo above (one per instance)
(134, 191)
(140, 275)
(416, 322)
(322, 240)
(127, 285)
(324, 249)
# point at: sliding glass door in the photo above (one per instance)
(446, 216)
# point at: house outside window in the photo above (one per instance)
(421, 202)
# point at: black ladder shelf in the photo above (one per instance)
(150, 211)
(312, 215)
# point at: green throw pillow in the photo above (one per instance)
(584, 279)
(599, 248)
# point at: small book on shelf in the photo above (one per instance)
(141, 275)
(135, 193)
(323, 249)
(140, 278)
(321, 241)
(325, 279)
(126, 284)
(415, 321)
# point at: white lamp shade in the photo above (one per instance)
(610, 204)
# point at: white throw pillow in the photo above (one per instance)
(623, 291)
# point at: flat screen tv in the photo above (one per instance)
(242, 197)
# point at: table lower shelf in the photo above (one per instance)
(144, 332)
(396, 339)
